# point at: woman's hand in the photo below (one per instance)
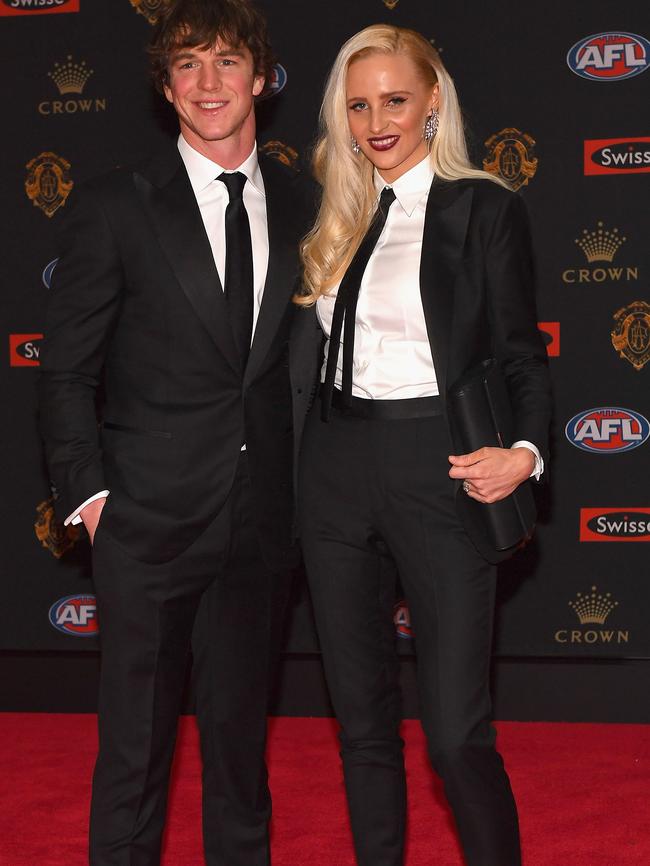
(492, 473)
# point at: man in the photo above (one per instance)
(174, 292)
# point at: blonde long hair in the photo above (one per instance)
(349, 195)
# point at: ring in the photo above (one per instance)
(466, 486)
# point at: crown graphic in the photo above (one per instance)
(70, 77)
(593, 607)
(600, 245)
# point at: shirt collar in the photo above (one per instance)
(202, 171)
(411, 186)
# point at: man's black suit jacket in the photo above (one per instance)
(478, 294)
(138, 315)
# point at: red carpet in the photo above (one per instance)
(583, 793)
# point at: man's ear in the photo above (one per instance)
(258, 84)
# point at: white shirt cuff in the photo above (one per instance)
(538, 468)
(75, 517)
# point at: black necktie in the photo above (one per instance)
(346, 305)
(238, 278)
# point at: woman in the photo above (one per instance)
(426, 262)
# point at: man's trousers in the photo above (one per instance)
(219, 596)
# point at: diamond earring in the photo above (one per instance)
(431, 126)
(355, 145)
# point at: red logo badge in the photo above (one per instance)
(25, 350)
(615, 524)
(551, 336)
(37, 7)
(617, 155)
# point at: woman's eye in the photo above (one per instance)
(396, 100)
(357, 106)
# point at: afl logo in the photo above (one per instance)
(402, 620)
(609, 56)
(75, 615)
(607, 430)
(48, 270)
(276, 83)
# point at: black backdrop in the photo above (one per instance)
(77, 102)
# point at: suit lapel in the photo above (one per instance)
(445, 229)
(170, 202)
(281, 270)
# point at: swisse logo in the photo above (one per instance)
(75, 615)
(615, 524)
(25, 350)
(617, 155)
(37, 7)
(607, 430)
(609, 56)
(550, 332)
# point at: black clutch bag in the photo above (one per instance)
(480, 415)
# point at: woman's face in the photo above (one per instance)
(388, 104)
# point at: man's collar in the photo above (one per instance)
(202, 171)
(411, 186)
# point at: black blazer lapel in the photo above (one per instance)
(445, 229)
(169, 200)
(281, 272)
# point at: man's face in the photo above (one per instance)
(212, 91)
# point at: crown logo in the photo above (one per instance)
(70, 77)
(600, 245)
(593, 607)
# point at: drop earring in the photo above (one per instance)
(431, 126)
(355, 145)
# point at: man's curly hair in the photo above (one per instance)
(199, 24)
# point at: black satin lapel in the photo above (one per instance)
(180, 230)
(281, 272)
(445, 229)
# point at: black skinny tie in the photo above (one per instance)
(346, 305)
(238, 278)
